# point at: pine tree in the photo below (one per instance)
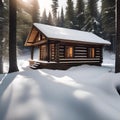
(80, 14)
(27, 13)
(69, 17)
(50, 21)
(92, 22)
(3, 33)
(108, 21)
(44, 18)
(54, 10)
(92, 10)
(58, 20)
(62, 20)
(24, 22)
(32, 7)
(35, 11)
(108, 15)
(117, 62)
(1, 36)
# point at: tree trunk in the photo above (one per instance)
(1, 36)
(117, 63)
(12, 37)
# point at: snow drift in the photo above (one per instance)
(80, 93)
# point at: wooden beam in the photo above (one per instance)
(48, 50)
(32, 52)
(57, 52)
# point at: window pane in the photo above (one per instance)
(69, 52)
(91, 52)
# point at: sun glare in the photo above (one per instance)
(25, 0)
(45, 4)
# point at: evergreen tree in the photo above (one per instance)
(117, 62)
(24, 21)
(54, 10)
(12, 37)
(92, 22)
(108, 21)
(1, 36)
(92, 10)
(80, 14)
(58, 20)
(50, 21)
(27, 13)
(32, 7)
(62, 19)
(44, 18)
(6, 29)
(69, 18)
(3, 32)
(35, 11)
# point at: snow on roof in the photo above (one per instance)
(69, 34)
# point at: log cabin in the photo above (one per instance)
(61, 48)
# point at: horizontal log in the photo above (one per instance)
(79, 53)
(61, 57)
(97, 51)
(97, 54)
(61, 46)
(80, 59)
(81, 56)
(80, 50)
(98, 48)
(61, 50)
(79, 62)
(61, 53)
(82, 62)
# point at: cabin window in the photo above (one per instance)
(91, 52)
(69, 51)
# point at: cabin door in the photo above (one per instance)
(43, 52)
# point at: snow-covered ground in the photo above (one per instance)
(79, 93)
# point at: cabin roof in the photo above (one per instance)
(54, 32)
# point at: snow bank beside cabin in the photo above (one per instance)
(80, 93)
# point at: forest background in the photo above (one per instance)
(85, 15)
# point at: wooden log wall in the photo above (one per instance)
(52, 52)
(61, 51)
(80, 54)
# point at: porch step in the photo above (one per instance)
(36, 65)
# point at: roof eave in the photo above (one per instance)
(75, 41)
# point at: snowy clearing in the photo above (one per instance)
(80, 93)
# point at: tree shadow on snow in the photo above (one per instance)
(4, 103)
(118, 89)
